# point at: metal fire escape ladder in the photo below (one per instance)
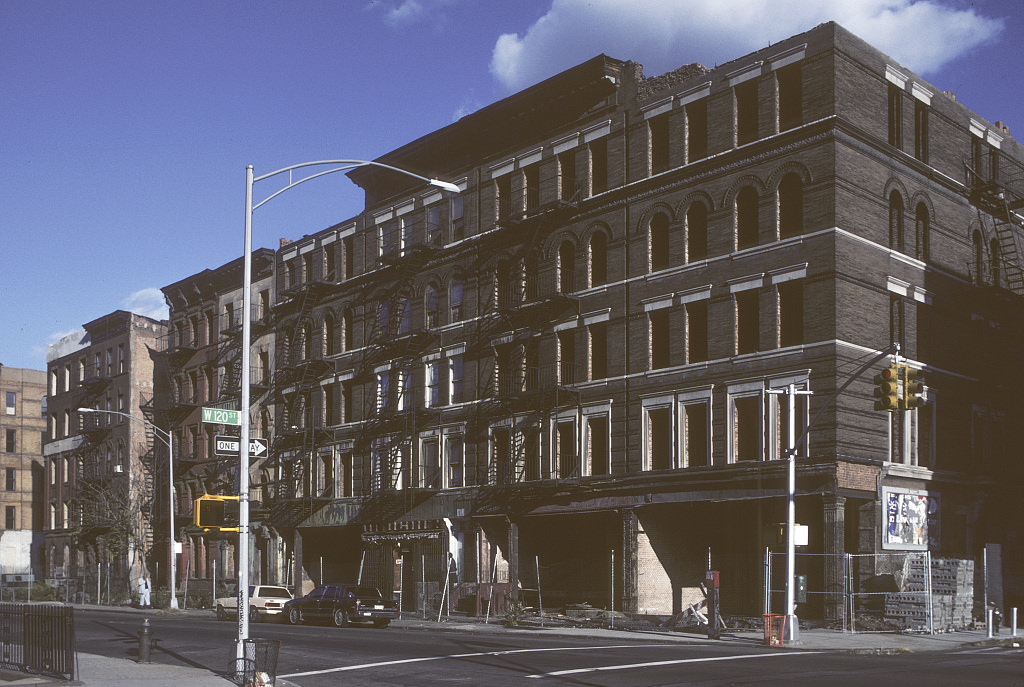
(390, 434)
(524, 391)
(997, 202)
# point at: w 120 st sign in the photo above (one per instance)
(229, 446)
(222, 416)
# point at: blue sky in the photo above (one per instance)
(126, 126)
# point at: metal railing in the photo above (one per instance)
(38, 638)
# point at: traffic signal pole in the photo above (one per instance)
(243, 448)
(792, 632)
(893, 350)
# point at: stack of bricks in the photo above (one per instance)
(952, 585)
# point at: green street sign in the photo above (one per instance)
(220, 416)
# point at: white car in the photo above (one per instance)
(265, 601)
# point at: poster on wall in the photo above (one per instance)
(911, 519)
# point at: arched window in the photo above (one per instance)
(505, 284)
(455, 300)
(922, 232)
(791, 206)
(431, 306)
(979, 258)
(405, 315)
(697, 232)
(747, 226)
(383, 319)
(531, 287)
(306, 342)
(994, 259)
(598, 259)
(566, 267)
(265, 491)
(896, 221)
(347, 332)
(329, 334)
(659, 242)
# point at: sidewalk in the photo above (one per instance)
(100, 671)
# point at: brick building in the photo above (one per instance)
(103, 471)
(22, 426)
(585, 361)
(203, 363)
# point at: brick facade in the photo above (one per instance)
(581, 357)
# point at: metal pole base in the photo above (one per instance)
(792, 629)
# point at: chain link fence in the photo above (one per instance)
(909, 591)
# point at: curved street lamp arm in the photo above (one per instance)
(889, 350)
(345, 166)
(162, 433)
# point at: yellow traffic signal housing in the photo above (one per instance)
(913, 388)
(887, 388)
(214, 512)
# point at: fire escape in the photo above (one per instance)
(524, 391)
(998, 196)
(300, 427)
(396, 343)
(113, 484)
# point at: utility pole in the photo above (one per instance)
(792, 633)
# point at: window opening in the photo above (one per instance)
(747, 322)
(697, 130)
(659, 242)
(697, 232)
(790, 83)
(747, 429)
(746, 111)
(895, 111)
(598, 450)
(695, 433)
(747, 226)
(598, 350)
(659, 438)
(567, 174)
(659, 140)
(696, 331)
(598, 166)
(791, 206)
(791, 313)
(660, 338)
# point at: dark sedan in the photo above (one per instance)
(342, 604)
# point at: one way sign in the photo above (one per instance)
(229, 446)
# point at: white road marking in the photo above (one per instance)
(381, 664)
(654, 664)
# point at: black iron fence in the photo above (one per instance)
(38, 638)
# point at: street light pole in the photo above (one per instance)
(164, 436)
(243, 467)
(792, 627)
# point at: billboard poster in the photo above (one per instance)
(911, 519)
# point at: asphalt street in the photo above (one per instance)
(193, 648)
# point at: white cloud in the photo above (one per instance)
(148, 302)
(57, 336)
(922, 35)
(406, 12)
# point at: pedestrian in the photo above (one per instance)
(144, 591)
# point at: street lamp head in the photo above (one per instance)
(88, 410)
(445, 186)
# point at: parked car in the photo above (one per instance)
(265, 602)
(342, 604)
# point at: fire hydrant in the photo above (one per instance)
(146, 642)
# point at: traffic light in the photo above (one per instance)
(216, 513)
(887, 388)
(913, 388)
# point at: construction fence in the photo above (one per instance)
(882, 592)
